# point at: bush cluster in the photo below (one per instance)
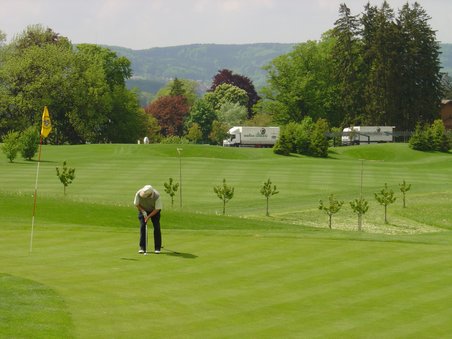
(174, 139)
(431, 137)
(306, 138)
(25, 142)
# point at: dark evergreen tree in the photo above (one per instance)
(348, 69)
(380, 43)
(177, 88)
(419, 69)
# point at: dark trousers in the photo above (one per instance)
(157, 233)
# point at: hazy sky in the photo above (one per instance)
(142, 24)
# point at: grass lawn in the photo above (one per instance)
(239, 275)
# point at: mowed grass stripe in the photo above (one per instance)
(231, 280)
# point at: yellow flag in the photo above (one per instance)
(46, 124)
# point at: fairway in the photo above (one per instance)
(239, 275)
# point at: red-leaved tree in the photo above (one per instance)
(170, 112)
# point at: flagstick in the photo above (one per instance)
(35, 195)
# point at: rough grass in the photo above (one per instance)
(240, 275)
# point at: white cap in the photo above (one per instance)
(146, 191)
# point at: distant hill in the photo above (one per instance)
(153, 67)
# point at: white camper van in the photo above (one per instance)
(356, 135)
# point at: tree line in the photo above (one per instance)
(83, 86)
(375, 68)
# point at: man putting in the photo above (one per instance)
(147, 201)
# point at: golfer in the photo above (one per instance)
(149, 205)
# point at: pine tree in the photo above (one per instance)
(380, 46)
(348, 65)
(419, 70)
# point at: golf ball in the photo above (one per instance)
(145, 253)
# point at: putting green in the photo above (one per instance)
(238, 283)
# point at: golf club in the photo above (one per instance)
(146, 240)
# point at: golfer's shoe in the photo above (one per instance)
(141, 251)
(157, 251)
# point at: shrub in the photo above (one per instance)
(319, 141)
(29, 142)
(174, 139)
(306, 138)
(430, 137)
(439, 136)
(282, 146)
(194, 133)
(11, 145)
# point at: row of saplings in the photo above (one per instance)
(359, 206)
(225, 192)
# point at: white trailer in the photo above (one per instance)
(250, 136)
(357, 135)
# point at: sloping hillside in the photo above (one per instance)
(200, 62)
(153, 67)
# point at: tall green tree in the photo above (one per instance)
(105, 110)
(36, 69)
(84, 88)
(301, 83)
(419, 72)
(348, 67)
(380, 44)
(203, 114)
